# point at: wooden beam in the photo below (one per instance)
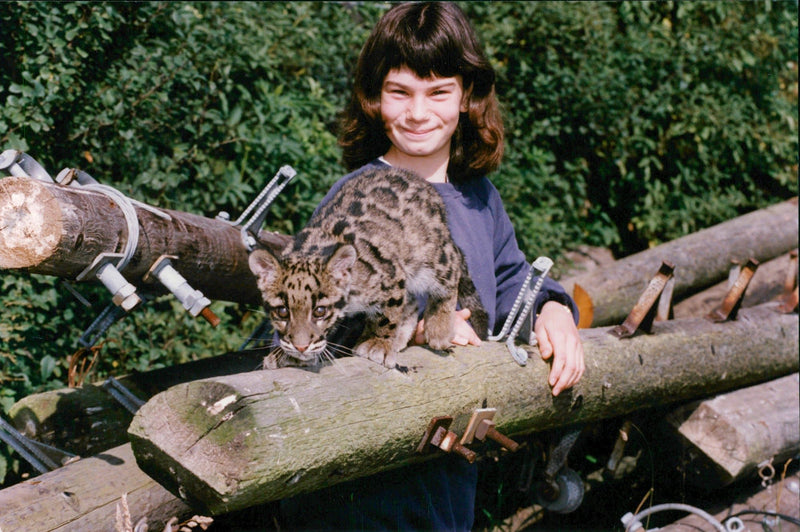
(232, 442)
(59, 230)
(84, 495)
(606, 295)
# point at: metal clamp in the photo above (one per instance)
(20, 164)
(481, 426)
(259, 207)
(789, 299)
(644, 313)
(738, 280)
(540, 267)
(192, 300)
(438, 435)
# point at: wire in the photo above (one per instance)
(785, 517)
(631, 521)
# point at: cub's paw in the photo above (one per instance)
(440, 344)
(377, 350)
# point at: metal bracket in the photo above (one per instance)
(41, 456)
(21, 164)
(644, 312)
(259, 207)
(789, 299)
(68, 175)
(481, 426)
(438, 435)
(540, 267)
(738, 280)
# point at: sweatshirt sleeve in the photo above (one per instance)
(511, 268)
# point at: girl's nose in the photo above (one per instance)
(417, 109)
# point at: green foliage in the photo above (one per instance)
(646, 120)
(628, 124)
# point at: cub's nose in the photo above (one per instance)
(301, 348)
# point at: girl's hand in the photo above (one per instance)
(465, 335)
(558, 338)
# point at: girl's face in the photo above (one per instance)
(421, 115)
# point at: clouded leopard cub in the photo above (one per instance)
(379, 243)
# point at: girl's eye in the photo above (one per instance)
(320, 312)
(282, 313)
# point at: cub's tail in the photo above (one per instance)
(468, 298)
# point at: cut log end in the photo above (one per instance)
(30, 223)
(585, 307)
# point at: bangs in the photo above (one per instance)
(426, 55)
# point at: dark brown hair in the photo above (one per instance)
(431, 39)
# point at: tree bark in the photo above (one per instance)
(606, 295)
(83, 496)
(232, 442)
(59, 230)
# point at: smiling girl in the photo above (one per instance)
(424, 100)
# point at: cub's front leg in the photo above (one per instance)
(387, 333)
(440, 322)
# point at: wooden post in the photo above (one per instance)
(59, 230)
(606, 295)
(232, 442)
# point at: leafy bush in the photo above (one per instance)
(634, 123)
(628, 124)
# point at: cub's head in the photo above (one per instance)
(304, 297)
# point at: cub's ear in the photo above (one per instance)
(264, 265)
(341, 261)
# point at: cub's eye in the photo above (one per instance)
(320, 312)
(281, 313)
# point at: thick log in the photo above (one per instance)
(731, 434)
(83, 496)
(59, 230)
(606, 295)
(232, 442)
(88, 420)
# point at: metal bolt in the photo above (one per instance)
(438, 435)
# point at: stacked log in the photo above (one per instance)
(227, 439)
(605, 295)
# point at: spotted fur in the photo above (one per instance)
(380, 243)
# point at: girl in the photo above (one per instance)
(424, 99)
